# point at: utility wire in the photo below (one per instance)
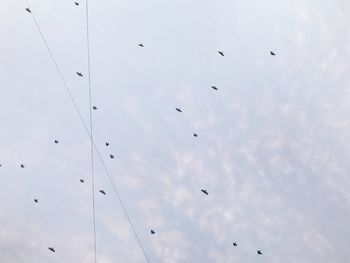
(88, 132)
(91, 130)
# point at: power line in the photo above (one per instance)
(91, 130)
(88, 132)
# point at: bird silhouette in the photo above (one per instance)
(178, 109)
(204, 191)
(195, 135)
(102, 192)
(82, 180)
(22, 165)
(94, 107)
(214, 87)
(52, 249)
(111, 156)
(221, 53)
(153, 232)
(259, 252)
(140, 45)
(272, 53)
(36, 200)
(79, 74)
(234, 244)
(107, 143)
(56, 141)
(76, 3)
(28, 10)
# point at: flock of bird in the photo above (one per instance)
(204, 191)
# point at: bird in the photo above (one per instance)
(272, 53)
(140, 45)
(102, 192)
(107, 143)
(214, 87)
(56, 141)
(234, 244)
(0, 165)
(259, 252)
(111, 156)
(153, 232)
(22, 165)
(36, 200)
(178, 109)
(195, 135)
(204, 191)
(82, 180)
(79, 74)
(52, 249)
(94, 107)
(221, 53)
(28, 10)
(76, 3)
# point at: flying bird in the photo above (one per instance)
(214, 87)
(79, 74)
(102, 192)
(140, 45)
(94, 107)
(82, 180)
(221, 53)
(259, 252)
(204, 191)
(56, 141)
(28, 10)
(36, 200)
(22, 165)
(76, 3)
(107, 143)
(52, 249)
(272, 53)
(111, 156)
(195, 135)
(178, 109)
(234, 244)
(153, 232)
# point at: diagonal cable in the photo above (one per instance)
(115, 189)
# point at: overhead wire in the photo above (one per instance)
(91, 129)
(89, 134)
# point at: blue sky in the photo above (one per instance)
(272, 142)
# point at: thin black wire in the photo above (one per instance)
(91, 129)
(88, 132)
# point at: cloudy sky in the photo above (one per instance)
(272, 147)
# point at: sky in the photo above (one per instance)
(272, 143)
